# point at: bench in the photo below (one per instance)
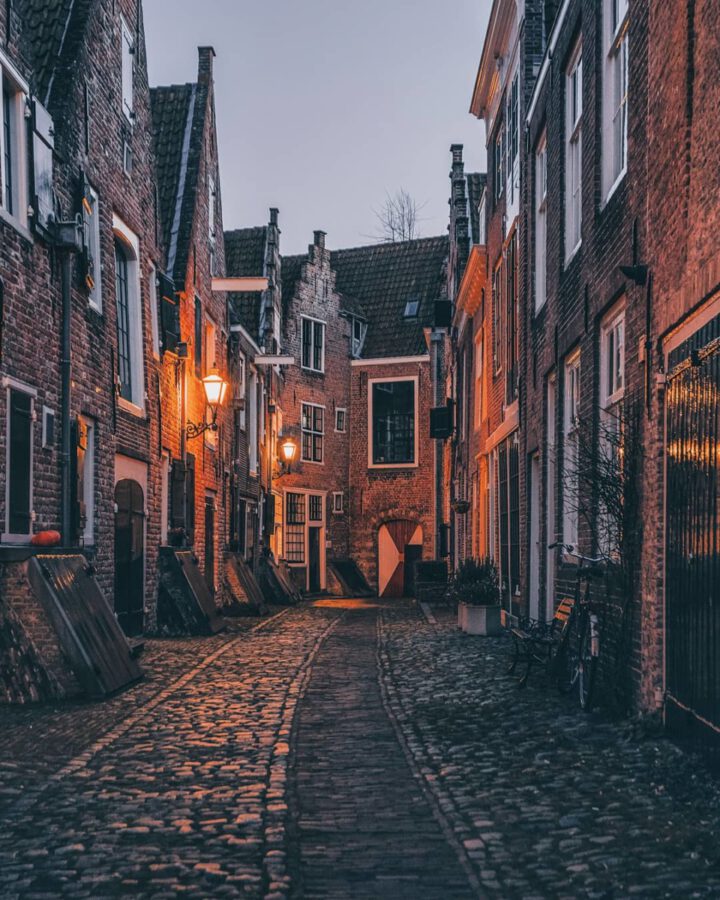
(537, 642)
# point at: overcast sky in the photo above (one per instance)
(324, 105)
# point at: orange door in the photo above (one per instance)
(393, 540)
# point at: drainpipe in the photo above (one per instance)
(436, 361)
(67, 238)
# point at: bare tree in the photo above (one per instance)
(398, 218)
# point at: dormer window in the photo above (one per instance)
(359, 330)
(412, 307)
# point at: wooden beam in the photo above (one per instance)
(245, 285)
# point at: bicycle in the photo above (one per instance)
(577, 655)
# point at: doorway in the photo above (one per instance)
(399, 548)
(534, 555)
(129, 556)
(210, 542)
(314, 559)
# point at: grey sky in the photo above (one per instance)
(324, 105)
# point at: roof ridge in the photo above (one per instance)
(380, 244)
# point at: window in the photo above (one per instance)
(86, 478)
(612, 391)
(571, 450)
(128, 51)
(295, 527)
(512, 141)
(91, 252)
(613, 360)
(393, 431)
(313, 430)
(122, 298)
(511, 314)
(131, 379)
(359, 330)
(127, 158)
(13, 167)
(43, 143)
(412, 308)
(338, 502)
(48, 428)
(315, 508)
(541, 223)
(482, 227)
(153, 299)
(198, 337)
(573, 153)
(499, 167)
(497, 307)
(211, 209)
(313, 345)
(19, 486)
(209, 342)
(341, 420)
(615, 93)
(164, 496)
(252, 400)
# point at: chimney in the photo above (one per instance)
(274, 215)
(205, 64)
(457, 160)
(319, 239)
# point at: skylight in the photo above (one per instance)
(412, 308)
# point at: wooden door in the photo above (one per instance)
(393, 539)
(129, 555)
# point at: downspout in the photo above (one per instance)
(436, 361)
(67, 238)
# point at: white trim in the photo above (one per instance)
(154, 324)
(19, 152)
(9, 66)
(693, 323)
(321, 524)
(46, 413)
(9, 381)
(338, 509)
(416, 436)
(341, 409)
(246, 284)
(137, 349)
(94, 239)
(238, 329)
(310, 431)
(390, 360)
(547, 59)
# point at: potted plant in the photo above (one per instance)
(475, 588)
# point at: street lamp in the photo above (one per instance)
(288, 448)
(215, 388)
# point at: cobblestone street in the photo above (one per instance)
(346, 750)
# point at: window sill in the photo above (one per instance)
(615, 185)
(573, 253)
(311, 371)
(313, 462)
(94, 307)
(382, 467)
(15, 224)
(131, 408)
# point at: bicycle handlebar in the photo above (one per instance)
(591, 560)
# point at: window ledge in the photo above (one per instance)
(573, 253)
(16, 224)
(132, 408)
(312, 371)
(313, 462)
(375, 467)
(615, 185)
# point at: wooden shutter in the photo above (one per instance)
(177, 494)
(190, 498)
(42, 167)
(198, 337)
(169, 314)
(19, 513)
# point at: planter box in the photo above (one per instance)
(484, 620)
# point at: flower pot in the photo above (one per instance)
(461, 615)
(483, 620)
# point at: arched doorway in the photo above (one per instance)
(399, 546)
(129, 555)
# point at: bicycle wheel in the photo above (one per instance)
(587, 668)
(567, 658)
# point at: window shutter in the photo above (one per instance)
(43, 143)
(198, 337)
(269, 513)
(177, 494)
(19, 514)
(169, 314)
(89, 211)
(190, 499)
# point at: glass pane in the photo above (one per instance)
(19, 479)
(393, 411)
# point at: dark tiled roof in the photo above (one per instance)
(245, 250)
(382, 278)
(291, 269)
(475, 183)
(351, 306)
(178, 113)
(54, 30)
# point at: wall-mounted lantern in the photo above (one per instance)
(215, 388)
(288, 449)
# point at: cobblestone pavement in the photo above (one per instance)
(345, 750)
(547, 801)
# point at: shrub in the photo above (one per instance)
(476, 583)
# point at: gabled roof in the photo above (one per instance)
(245, 252)
(291, 269)
(382, 278)
(475, 185)
(178, 114)
(54, 31)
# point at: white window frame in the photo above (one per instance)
(153, 300)
(416, 449)
(338, 502)
(11, 384)
(308, 524)
(482, 224)
(571, 431)
(127, 73)
(612, 394)
(47, 413)
(310, 431)
(573, 153)
(541, 223)
(11, 79)
(614, 95)
(343, 410)
(92, 232)
(89, 481)
(315, 324)
(131, 243)
(512, 136)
